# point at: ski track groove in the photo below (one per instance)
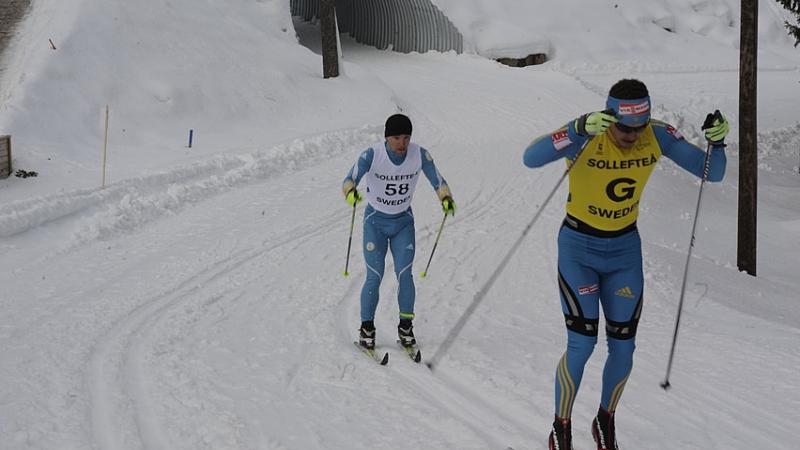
(446, 392)
(123, 346)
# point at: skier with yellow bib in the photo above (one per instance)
(599, 249)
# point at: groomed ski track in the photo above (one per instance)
(142, 349)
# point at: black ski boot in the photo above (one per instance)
(405, 331)
(366, 335)
(561, 435)
(603, 430)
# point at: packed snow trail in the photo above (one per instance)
(204, 307)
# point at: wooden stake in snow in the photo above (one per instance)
(105, 150)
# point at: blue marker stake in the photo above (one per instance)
(191, 134)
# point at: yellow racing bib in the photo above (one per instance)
(607, 182)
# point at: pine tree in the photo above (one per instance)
(792, 6)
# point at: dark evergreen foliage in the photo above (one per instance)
(792, 6)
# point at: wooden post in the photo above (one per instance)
(5, 156)
(327, 25)
(748, 139)
(105, 150)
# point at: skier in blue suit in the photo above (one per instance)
(391, 169)
(599, 249)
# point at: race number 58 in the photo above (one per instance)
(394, 189)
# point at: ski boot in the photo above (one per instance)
(366, 335)
(405, 331)
(603, 430)
(561, 435)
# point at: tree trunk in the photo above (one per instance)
(748, 138)
(330, 53)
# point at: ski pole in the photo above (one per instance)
(707, 124)
(435, 243)
(350, 240)
(453, 333)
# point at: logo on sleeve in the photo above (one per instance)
(674, 132)
(561, 139)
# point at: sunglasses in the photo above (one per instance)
(627, 129)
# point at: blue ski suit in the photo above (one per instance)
(599, 249)
(390, 231)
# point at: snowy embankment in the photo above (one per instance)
(127, 205)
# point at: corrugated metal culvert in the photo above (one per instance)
(405, 25)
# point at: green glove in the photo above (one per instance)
(448, 205)
(353, 197)
(716, 127)
(594, 123)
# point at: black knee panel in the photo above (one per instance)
(580, 325)
(625, 330)
(621, 330)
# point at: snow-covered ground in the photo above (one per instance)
(197, 301)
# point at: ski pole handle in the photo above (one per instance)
(710, 118)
